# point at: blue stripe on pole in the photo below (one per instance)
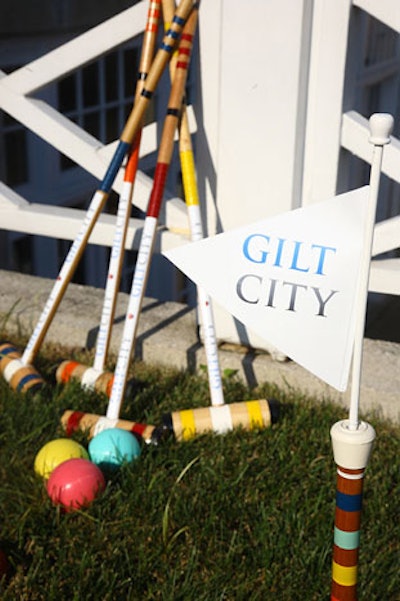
(178, 20)
(114, 166)
(348, 502)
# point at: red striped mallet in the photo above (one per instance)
(92, 424)
(95, 377)
(151, 220)
(352, 439)
(16, 369)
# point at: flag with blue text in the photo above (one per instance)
(291, 278)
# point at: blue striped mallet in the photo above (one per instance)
(15, 369)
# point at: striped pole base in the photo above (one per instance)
(92, 424)
(21, 377)
(346, 534)
(351, 449)
(249, 415)
(88, 376)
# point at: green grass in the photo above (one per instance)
(244, 516)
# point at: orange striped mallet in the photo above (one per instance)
(96, 377)
(14, 370)
(219, 417)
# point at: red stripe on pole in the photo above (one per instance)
(185, 51)
(187, 36)
(157, 191)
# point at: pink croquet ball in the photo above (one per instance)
(75, 483)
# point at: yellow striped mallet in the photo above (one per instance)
(219, 417)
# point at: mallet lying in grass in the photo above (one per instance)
(92, 424)
(95, 377)
(219, 417)
(15, 370)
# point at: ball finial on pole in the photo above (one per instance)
(380, 126)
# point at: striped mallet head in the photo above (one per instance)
(94, 377)
(249, 415)
(91, 424)
(21, 377)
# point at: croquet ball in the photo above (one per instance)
(112, 447)
(75, 483)
(55, 452)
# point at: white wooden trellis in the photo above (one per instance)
(327, 122)
(287, 85)
(15, 89)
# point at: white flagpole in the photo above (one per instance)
(381, 126)
(352, 440)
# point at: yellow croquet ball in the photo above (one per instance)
(55, 452)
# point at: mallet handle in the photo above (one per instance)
(149, 232)
(125, 200)
(100, 196)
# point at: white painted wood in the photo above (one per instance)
(386, 236)
(268, 123)
(258, 108)
(84, 149)
(207, 110)
(252, 111)
(82, 49)
(10, 199)
(64, 223)
(385, 276)
(325, 94)
(387, 11)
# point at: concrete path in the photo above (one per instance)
(167, 335)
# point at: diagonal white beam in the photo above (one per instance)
(79, 51)
(386, 11)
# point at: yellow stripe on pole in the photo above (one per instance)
(255, 415)
(343, 575)
(189, 177)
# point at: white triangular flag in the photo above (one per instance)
(292, 279)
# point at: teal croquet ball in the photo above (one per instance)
(112, 447)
